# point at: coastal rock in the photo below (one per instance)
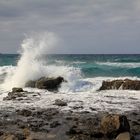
(14, 95)
(16, 89)
(121, 84)
(59, 102)
(51, 84)
(114, 124)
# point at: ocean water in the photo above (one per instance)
(84, 74)
(90, 65)
(82, 71)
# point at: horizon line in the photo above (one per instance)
(79, 53)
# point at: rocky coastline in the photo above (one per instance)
(54, 124)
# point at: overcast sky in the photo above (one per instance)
(85, 26)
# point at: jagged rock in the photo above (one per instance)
(113, 124)
(121, 84)
(51, 84)
(131, 84)
(16, 89)
(60, 102)
(14, 95)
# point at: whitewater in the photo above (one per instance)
(84, 75)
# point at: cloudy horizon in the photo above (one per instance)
(91, 26)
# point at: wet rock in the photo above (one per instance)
(84, 126)
(131, 84)
(24, 112)
(93, 109)
(14, 95)
(36, 124)
(73, 130)
(113, 124)
(50, 111)
(51, 84)
(116, 84)
(16, 89)
(54, 124)
(121, 84)
(45, 114)
(124, 124)
(59, 102)
(77, 107)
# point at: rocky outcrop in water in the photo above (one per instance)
(15, 93)
(16, 89)
(125, 84)
(51, 84)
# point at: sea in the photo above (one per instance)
(84, 74)
(73, 67)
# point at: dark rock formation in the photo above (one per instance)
(17, 89)
(121, 84)
(59, 102)
(14, 95)
(51, 84)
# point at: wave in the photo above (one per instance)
(79, 62)
(76, 82)
(6, 69)
(122, 65)
(32, 65)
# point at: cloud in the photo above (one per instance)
(91, 26)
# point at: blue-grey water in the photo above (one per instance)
(90, 65)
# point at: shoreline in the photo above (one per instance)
(58, 116)
(53, 124)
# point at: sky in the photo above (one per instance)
(85, 26)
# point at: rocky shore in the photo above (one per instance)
(54, 123)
